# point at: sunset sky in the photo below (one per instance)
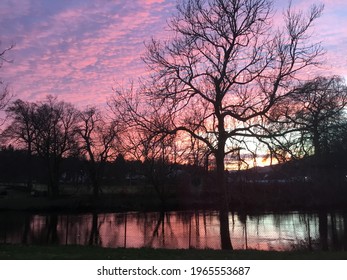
(78, 50)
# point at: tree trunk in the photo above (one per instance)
(95, 189)
(52, 231)
(319, 169)
(94, 233)
(323, 230)
(95, 181)
(223, 202)
(30, 169)
(53, 183)
(96, 172)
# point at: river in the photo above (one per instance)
(178, 230)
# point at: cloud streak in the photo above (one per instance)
(78, 50)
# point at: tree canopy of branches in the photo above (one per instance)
(54, 136)
(314, 113)
(4, 92)
(22, 129)
(216, 79)
(321, 103)
(47, 129)
(98, 141)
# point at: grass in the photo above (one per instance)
(73, 252)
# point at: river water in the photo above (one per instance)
(189, 229)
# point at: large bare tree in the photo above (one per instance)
(224, 67)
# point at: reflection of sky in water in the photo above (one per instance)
(276, 232)
(176, 230)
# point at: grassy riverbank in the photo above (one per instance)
(250, 198)
(55, 252)
(149, 201)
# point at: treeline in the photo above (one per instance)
(56, 142)
(73, 171)
(52, 143)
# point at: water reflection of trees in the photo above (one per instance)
(12, 226)
(279, 231)
(57, 229)
(190, 229)
(96, 223)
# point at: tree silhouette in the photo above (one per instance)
(21, 130)
(321, 103)
(98, 141)
(4, 91)
(216, 79)
(54, 122)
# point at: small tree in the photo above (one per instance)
(320, 118)
(21, 130)
(320, 115)
(158, 162)
(98, 141)
(156, 154)
(54, 136)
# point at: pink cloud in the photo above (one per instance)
(80, 51)
(150, 2)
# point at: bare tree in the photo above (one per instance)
(321, 104)
(46, 129)
(98, 140)
(21, 130)
(153, 150)
(317, 112)
(221, 72)
(5, 95)
(309, 120)
(54, 122)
